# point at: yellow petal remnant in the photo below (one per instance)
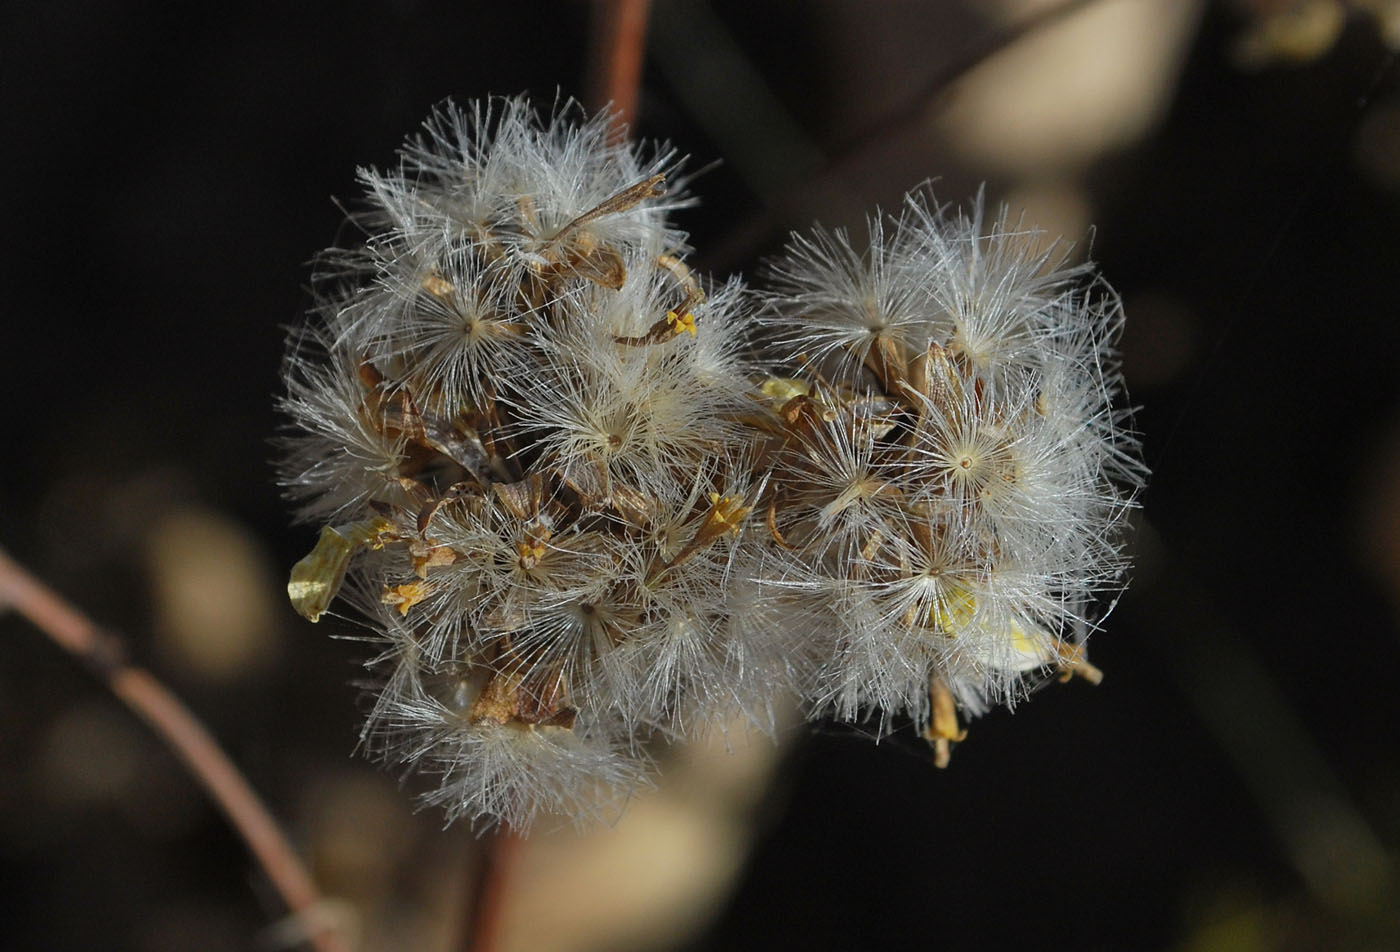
(681, 323)
(427, 553)
(955, 611)
(438, 286)
(316, 579)
(943, 729)
(676, 322)
(1030, 648)
(1033, 648)
(533, 545)
(405, 596)
(726, 516)
(780, 390)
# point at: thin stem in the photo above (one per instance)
(619, 29)
(105, 655)
(498, 856)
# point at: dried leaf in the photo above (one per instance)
(317, 578)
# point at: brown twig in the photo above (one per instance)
(498, 856)
(105, 655)
(619, 29)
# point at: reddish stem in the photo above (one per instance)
(498, 857)
(105, 655)
(619, 30)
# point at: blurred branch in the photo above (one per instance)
(616, 50)
(919, 102)
(105, 655)
(498, 855)
(744, 240)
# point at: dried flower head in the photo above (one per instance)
(582, 495)
(522, 412)
(951, 472)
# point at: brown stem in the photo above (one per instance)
(498, 856)
(105, 655)
(619, 29)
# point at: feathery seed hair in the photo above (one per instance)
(583, 496)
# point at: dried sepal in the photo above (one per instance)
(316, 579)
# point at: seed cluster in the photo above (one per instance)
(584, 496)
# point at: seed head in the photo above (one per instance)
(582, 495)
(952, 477)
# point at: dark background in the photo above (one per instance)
(1233, 784)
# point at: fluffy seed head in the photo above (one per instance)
(583, 496)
